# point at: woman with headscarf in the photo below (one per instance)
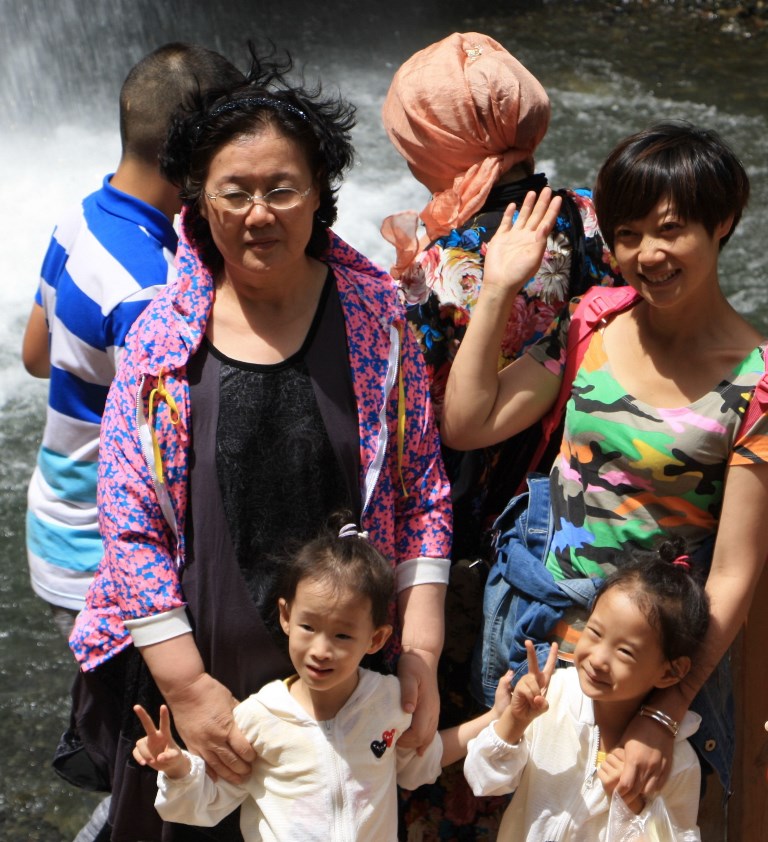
(467, 118)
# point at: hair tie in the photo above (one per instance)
(683, 561)
(349, 530)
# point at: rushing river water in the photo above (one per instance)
(610, 68)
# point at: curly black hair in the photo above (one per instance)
(320, 123)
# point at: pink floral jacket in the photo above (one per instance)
(145, 445)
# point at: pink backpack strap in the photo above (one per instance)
(595, 306)
(758, 403)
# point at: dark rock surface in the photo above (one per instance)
(740, 18)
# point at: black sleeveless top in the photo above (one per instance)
(277, 471)
(275, 450)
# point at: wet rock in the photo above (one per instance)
(730, 16)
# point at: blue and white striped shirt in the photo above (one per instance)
(106, 260)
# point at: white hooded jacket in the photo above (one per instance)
(552, 771)
(330, 781)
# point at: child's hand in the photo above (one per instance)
(528, 698)
(158, 749)
(503, 696)
(609, 773)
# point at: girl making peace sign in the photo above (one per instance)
(564, 766)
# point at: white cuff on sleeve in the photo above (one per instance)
(196, 769)
(498, 743)
(158, 627)
(422, 571)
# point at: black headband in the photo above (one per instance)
(277, 104)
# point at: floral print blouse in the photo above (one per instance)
(440, 290)
(441, 287)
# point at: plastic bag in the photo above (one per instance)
(654, 824)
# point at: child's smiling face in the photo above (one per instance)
(329, 631)
(619, 655)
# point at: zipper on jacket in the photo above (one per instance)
(341, 833)
(592, 768)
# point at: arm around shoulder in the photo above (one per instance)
(739, 557)
(737, 563)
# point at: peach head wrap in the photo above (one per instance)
(462, 112)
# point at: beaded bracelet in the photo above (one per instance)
(662, 718)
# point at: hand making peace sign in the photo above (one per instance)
(528, 697)
(158, 749)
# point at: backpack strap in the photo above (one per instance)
(758, 403)
(595, 306)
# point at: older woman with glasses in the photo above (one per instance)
(274, 384)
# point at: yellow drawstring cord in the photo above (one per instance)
(160, 392)
(401, 414)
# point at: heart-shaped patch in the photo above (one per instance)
(388, 736)
(378, 747)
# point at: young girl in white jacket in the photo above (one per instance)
(326, 739)
(563, 766)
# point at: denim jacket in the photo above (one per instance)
(522, 601)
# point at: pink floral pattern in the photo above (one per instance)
(138, 576)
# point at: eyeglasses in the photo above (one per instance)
(237, 201)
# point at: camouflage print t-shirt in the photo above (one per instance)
(629, 472)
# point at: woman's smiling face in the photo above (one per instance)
(668, 259)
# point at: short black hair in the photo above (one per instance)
(321, 125)
(691, 166)
(670, 595)
(158, 85)
(348, 562)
